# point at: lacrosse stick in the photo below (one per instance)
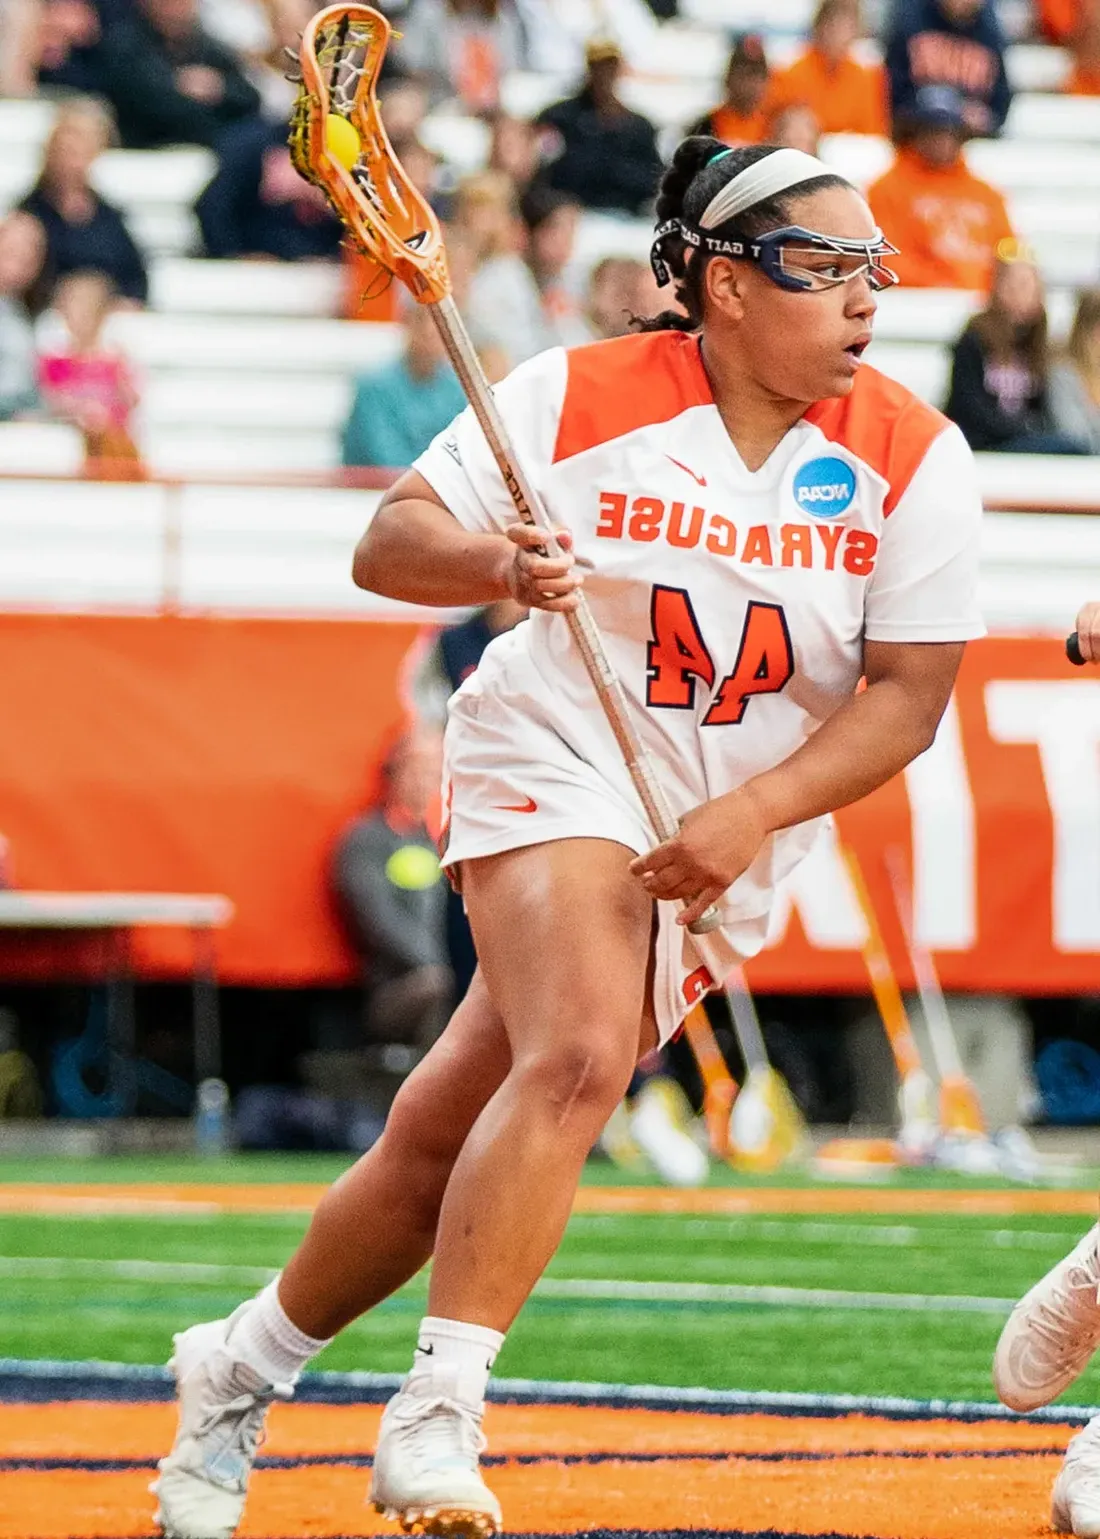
(719, 1085)
(960, 1109)
(915, 1092)
(338, 142)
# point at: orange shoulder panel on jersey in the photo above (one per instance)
(616, 387)
(883, 424)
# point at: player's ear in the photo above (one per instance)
(725, 283)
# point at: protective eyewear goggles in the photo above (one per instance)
(803, 261)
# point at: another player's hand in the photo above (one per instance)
(543, 582)
(1088, 632)
(716, 843)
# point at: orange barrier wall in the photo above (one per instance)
(223, 755)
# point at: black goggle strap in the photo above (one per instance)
(765, 249)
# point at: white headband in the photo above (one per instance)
(776, 173)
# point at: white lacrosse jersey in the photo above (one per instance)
(733, 603)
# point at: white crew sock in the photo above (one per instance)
(268, 1340)
(455, 1358)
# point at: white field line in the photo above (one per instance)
(817, 1232)
(59, 1268)
(571, 1392)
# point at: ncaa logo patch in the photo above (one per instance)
(824, 487)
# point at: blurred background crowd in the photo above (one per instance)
(151, 214)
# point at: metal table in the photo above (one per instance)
(118, 914)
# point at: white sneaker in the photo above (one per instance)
(426, 1472)
(202, 1483)
(1076, 1498)
(1052, 1332)
(660, 1123)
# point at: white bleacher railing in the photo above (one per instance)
(248, 547)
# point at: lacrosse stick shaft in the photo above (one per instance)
(941, 1033)
(883, 980)
(746, 1022)
(582, 626)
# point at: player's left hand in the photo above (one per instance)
(715, 844)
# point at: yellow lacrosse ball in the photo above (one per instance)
(342, 142)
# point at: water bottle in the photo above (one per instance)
(212, 1118)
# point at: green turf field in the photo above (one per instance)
(613, 1306)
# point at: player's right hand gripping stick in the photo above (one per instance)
(1073, 651)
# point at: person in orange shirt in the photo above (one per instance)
(1084, 77)
(846, 96)
(946, 221)
(742, 116)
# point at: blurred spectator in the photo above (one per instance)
(257, 32)
(168, 81)
(946, 221)
(794, 128)
(1057, 19)
(258, 206)
(514, 149)
(740, 119)
(70, 37)
(404, 105)
(84, 233)
(504, 308)
(955, 43)
(83, 381)
(462, 48)
(399, 409)
(550, 219)
(846, 96)
(1084, 77)
(1001, 365)
(595, 148)
(386, 875)
(1075, 379)
(19, 47)
(22, 253)
(615, 290)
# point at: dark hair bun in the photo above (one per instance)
(692, 154)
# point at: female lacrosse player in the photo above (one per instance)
(1055, 1328)
(759, 522)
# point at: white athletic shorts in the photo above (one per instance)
(510, 779)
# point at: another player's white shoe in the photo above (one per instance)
(1076, 1498)
(660, 1123)
(1052, 1332)
(426, 1473)
(202, 1483)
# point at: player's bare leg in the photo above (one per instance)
(371, 1232)
(564, 936)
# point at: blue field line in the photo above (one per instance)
(48, 1464)
(26, 1380)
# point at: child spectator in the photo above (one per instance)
(84, 233)
(741, 117)
(846, 96)
(1075, 379)
(399, 409)
(946, 221)
(1001, 366)
(168, 81)
(85, 382)
(258, 205)
(955, 43)
(595, 148)
(22, 253)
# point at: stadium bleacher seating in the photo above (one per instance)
(244, 369)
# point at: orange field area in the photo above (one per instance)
(303, 1197)
(81, 1470)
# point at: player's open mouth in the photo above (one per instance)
(856, 350)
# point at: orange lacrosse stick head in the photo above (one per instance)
(338, 142)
